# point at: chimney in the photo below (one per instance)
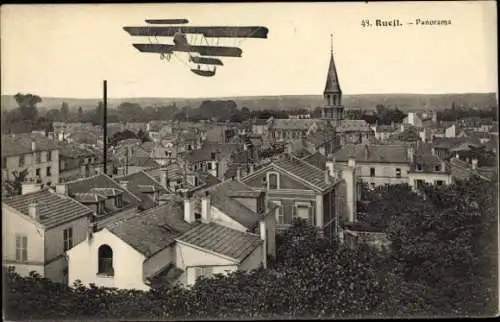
(367, 152)
(474, 164)
(164, 178)
(34, 210)
(263, 236)
(188, 207)
(327, 176)
(411, 154)
(206, 208)
(62, 189)
(349, 175)
(433, 151)
(238, 173)
(28, 187)
(33, 146)
(252, 167)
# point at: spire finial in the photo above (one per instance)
(331, 44)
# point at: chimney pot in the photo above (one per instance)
(206, 207)
(474, 164)
(33, 146)
(34, 210)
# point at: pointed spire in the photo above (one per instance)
(332, 82)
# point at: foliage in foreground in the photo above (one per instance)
(441, 264)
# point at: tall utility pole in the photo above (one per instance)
(105, 125)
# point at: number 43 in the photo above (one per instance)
(365, 23)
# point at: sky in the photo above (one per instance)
(68, 50)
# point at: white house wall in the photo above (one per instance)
(12, 224)
(127, 263)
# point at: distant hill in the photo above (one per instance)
(406, 102)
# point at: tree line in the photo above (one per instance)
(457, 112)
(442, 262)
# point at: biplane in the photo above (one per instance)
(202, 48)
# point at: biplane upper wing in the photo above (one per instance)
(166, 21)
(202, 50)
(206, 60)
(223, 32)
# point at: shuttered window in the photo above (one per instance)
(21, 248)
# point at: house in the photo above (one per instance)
(76, 161)
(35, 153)
(302, 190)
(354, 132)
(413, 119)
(383, 132)
(107, 198)
(377, 164)
(427, 168)
(213, 158)
(145, 187)
(171, 244)
(132, 157)
(260, 127)
(290, 129)
(465, 169)
(37, 228)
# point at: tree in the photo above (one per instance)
(64, 111)
(143, 136)
(14, 187)
(80, 113)
(450, 247)
(27, 106)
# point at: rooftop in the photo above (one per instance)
(376, 153)
(304, 170)
(54, 209)
(222, 240)
(136, 183)
(19, 144)
(152, 230)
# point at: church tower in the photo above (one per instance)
(333, 109)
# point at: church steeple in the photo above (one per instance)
(332, 81)
(332, 94)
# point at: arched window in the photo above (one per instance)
(106, 260)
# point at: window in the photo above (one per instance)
(419, 167)
(439, 182)
(68, 238)
(280, 215)
(21, 161)
(21, 248)
(437, 168)
(37, 172)
(419, 183)
(204, 271)
(118, 201)
(372, 185)
(273, 181)
(49, 156)
(106, 261)
(372, 172)
(49, 173)
(303, 210)
(38, 157)
(209, 166)
(398, 173)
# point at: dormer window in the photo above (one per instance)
(437, 168)
(419, 167)
(212, 155)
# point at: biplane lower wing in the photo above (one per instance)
(222, 32)
(202, 50)
(167, 21)
(206, 60)
(205, 73)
